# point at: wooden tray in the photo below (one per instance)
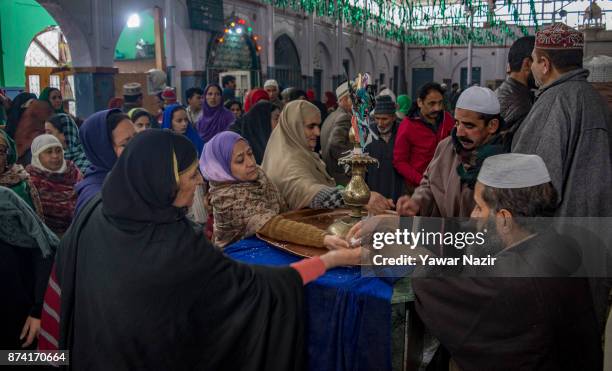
(319, 218)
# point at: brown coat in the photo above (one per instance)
(441, 192)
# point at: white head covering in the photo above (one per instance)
(342, 90)
(478, 99)
(42, 143)
(513, 170)
(271, 83)
(389, 93)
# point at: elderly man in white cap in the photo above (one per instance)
(334, 135)
(271, 87)
(524, 309)
(447, 187)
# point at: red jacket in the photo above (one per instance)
(415, 146)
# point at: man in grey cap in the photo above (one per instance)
(383, 178)
(132, 96)
(447, 187)
(334, 135)
(524, 309)
(569, 125)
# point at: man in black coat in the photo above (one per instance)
(383, 178)
(524, 312)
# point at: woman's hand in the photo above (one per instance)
(30, 331)
(340, 257)
(335, 243)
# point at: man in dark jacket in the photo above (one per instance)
(514, 94)
(524, 312)
(383, 178)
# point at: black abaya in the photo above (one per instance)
(142, 294)
(256, 127)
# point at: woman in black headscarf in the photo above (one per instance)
(142, 289)
(256, 126)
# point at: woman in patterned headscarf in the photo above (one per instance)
(65, 130)
(54, 178)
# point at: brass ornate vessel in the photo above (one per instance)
(356, 194)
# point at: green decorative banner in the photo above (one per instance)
(438, 22)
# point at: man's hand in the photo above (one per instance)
(365, 228)
(378, 204)
(406, 206)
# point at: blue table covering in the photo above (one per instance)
(348, 317)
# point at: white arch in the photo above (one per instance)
(462, 61)
(352, 66)
(370, 64)
(77, 42)
(280, 33)
(323, 60)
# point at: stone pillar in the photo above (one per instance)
(309, 53)
(339, 70)
(94, 87)
(270, 42)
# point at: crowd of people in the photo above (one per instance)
(113, 229)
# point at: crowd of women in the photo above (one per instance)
(107, 230)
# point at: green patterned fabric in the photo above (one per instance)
(21, 227)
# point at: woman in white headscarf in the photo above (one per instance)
(291, 163)
(54, 177)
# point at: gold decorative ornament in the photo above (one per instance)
(356, 195)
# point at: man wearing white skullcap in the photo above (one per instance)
(334, 134)
(447, 187)
(522, 309)
(271, 87)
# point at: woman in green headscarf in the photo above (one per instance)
(14, 176)
(54, 97)
(404, 102)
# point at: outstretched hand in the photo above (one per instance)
(336, 258)
(335, 243)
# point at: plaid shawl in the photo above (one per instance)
(74, 150)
